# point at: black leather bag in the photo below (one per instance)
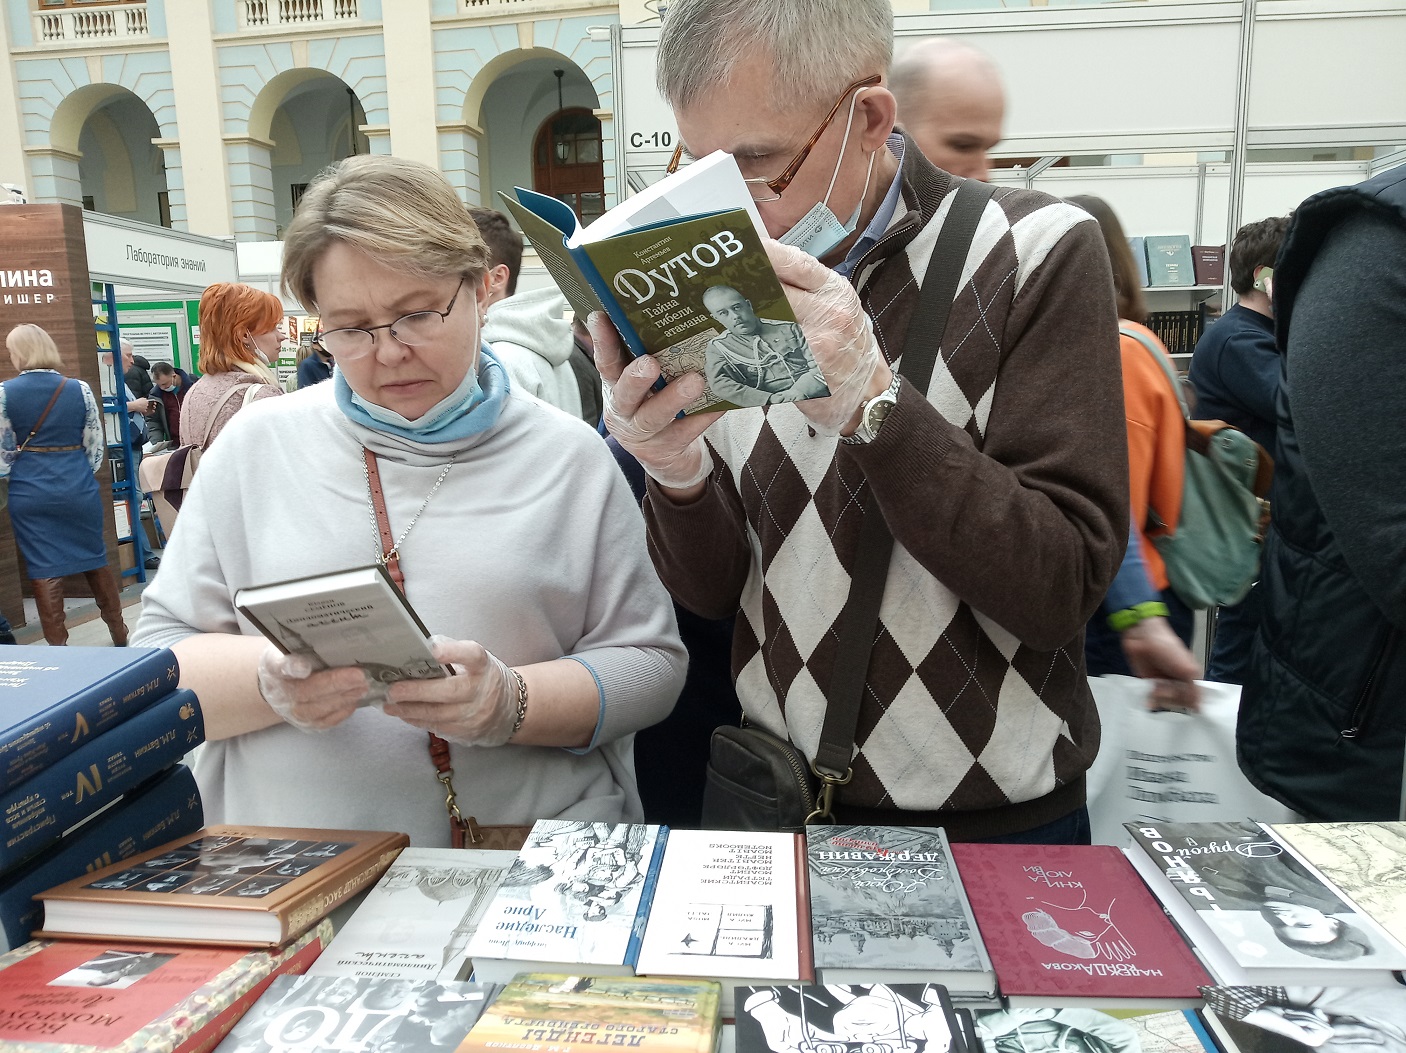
(756, 781)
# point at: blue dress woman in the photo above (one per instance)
(51, 447)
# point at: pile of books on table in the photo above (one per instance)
(91, 740)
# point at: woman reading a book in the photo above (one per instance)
(514, 534)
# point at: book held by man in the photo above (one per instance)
(576, 897)
(574, 1013)
(887, 905)
(75, 996)
(250, 886)
(1255, 911)
(682, 273)
(348, 617)
(1074, 925)
(847, 1018)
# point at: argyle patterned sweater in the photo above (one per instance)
(1006, 489)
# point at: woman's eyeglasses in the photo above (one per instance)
(764, 190)
(414, 329)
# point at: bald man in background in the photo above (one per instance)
(951, 102)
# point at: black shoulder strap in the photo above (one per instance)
(860, 617)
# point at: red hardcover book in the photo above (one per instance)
(1074, 925)
(68, 996)
(1208, 264)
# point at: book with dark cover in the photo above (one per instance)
(1139, 252)
(1255, 911)
(681, 271)
(1208, 264)
(309, 1013)
(34, 814)
(732, 906)
(73, 996)
(887, 905)
(248, 886)
(1168, 260)
(348, 617)
(847, 1018)
(579, 1013)
(1075, 925)
(1296, 1019)
(160, 809)
(55, 699)
(418, 919)
(576, 897)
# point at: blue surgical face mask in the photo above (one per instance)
(820, 230)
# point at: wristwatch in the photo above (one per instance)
(873, 415)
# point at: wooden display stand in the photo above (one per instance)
(44, 280)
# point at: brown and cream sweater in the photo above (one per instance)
(1006, 489)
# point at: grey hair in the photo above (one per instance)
(401, 213)
(815, 47)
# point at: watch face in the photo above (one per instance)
(878, 411)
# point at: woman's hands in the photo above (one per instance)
(310, 698)
(478, 706)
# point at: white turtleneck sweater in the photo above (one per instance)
(533, 547)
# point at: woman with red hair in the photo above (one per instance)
(239, 338)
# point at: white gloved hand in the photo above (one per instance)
(310, 697)
(476, 707)
(671, 451)
(840, 335)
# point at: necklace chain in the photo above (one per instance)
(383, 558)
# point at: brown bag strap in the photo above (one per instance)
(63, 382)
(390, 558)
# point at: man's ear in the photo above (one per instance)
(875, 116)
(497, 281)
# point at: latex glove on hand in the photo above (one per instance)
(311, 698)
(840, 335)
(478, 706)
(1155, 652)
(671, 451)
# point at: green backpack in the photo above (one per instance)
(1213, 553)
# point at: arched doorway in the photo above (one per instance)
(567, 162)
(318, 122)
(122, 173)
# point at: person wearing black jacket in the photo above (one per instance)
(1323, 714)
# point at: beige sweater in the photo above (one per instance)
(205, 395)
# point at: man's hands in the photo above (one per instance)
(475, 707)
(1155, 652)
(840, 335)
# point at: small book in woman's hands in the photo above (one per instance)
(348, 617)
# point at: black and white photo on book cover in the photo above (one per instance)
(356, 1015)
(1300, 1019)
(845, 1018)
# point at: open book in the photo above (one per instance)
(681, 271)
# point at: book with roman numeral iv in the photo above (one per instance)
(682, 273)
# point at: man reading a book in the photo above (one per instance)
(1003, 479)
(756, 361)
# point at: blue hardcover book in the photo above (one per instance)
(160, 810)
(36, 813)
(1140, 258)
(55, 699)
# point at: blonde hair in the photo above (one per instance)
(230, 314)
(32, 348)
(402, 214)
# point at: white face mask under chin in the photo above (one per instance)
(820, 230)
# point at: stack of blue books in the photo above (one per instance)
(91, 740)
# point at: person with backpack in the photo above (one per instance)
(1144, 628)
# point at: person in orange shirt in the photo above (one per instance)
(1149, 636)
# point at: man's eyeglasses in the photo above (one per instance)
(764, 190)
(414, 329)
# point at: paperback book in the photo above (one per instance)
(682, 273)
(1295, 1019)
(1074, 925)
(74, 996)
(161, 809)
(349, 617)
(847, 1018)
(731, 906)
(417, 921)
(1257, 913)
(1365, 861)
(887, 905)
(53, 700)
(354, 1015)
(571, 1013)
(1070, 1028)
(240, 885)
(34, 814)
(576, 897)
